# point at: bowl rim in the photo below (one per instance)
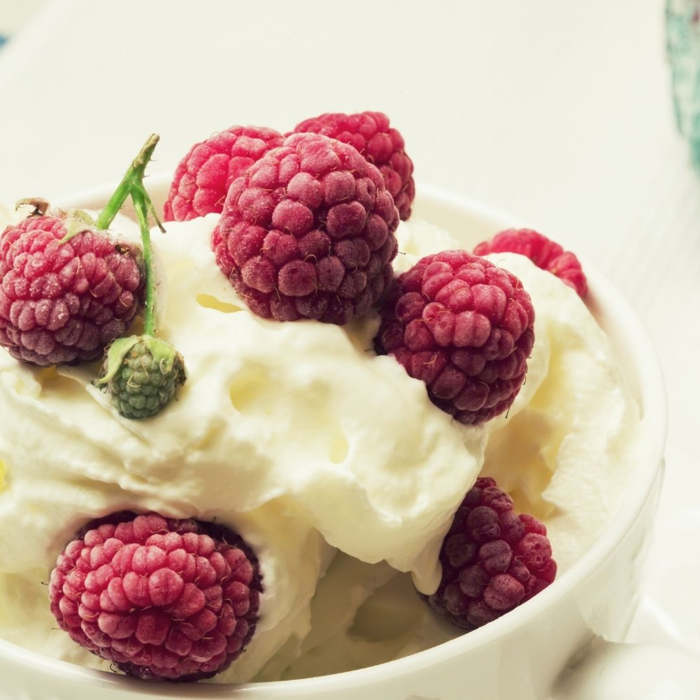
(654, 419)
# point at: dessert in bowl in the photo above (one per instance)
(360, 502)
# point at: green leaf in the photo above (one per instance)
(115, 356)
(76, 222)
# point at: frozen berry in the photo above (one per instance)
(463, 326)
(204, 175)
(161, 598)
(492, 559)
(545, 253)
(308, 232)
(381, 144)
(64, 302)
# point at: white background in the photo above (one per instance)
(556, 110)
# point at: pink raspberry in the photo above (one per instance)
(546, 254)
(64, 302)
(379, 143)
(492, 559)
(308, 232)
(463, 326)
(161, 598)
(204, 175)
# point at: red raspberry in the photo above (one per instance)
(545, 253)
(463, 326)
(308, 232)
(63, 302)
(492, 559)
(380, 144)
(161, 598)
(204, 175)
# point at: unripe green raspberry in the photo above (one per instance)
(142, 374)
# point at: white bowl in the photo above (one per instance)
(518, 655)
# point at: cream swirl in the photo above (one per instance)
(302, 439)
(295, 434)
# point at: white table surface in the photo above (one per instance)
(558, 111)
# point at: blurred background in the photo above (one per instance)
(557, 111)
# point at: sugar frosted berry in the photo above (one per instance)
(373, 136)
(308, 232)
(544, 252)
(492, 559)
(160, 598)
(64, 302)
(204, 175)
(463, 326)
(142, 374)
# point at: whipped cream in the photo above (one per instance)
(302, 439)
(571, 439)
(564, 450)
(295, 434)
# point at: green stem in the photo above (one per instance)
(142, 205)
(133, 176)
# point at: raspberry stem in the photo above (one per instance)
(132, 184)
(38, 204)
(134, 175)
(142, 203)
(143, 374)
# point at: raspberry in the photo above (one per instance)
(380, 144)
(204, 175)
(143, 374)
(63, 302)
(492, 559)
(545, 253)
(463, 326)
(308, 232)
(161, 598)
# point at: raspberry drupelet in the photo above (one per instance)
(381, 144)
(203, 176)
(63, 302)
(545, 253)
(492, 559)
(463, 326)
(308, 232)
(161, 598)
